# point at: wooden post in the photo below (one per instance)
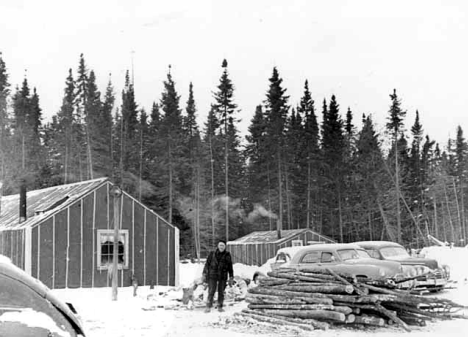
(117, 193)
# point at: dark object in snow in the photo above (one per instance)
(24, 302)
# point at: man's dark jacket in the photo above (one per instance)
(218, 265)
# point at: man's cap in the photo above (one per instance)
(223, 241)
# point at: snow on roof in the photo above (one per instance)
(272, 237)
(43, 202)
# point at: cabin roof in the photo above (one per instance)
(44, 202)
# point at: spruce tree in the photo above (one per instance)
(171, 135)
(276, 111)
(394, 126)
(4, 93)
(225, 108)
(333, 150)
(311, 134)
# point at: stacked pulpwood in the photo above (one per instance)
(315, 299)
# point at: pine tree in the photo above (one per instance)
(276, 106)
(333, 150)
(258, 183)
(369, 172)
(4, 93)
(128, 139)
(395, 125)
(225, 108)
(171, 134)
(104, 137)
(312, 155)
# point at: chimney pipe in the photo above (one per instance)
(278, 228)
(22, 201)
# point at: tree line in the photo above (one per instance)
(333, 174)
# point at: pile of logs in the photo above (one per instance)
(316, 299)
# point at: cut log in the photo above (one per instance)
(351, 318)
(342, 279)
(392, 316)
(311, 298)
(343, 309)
(298, 276)
(293, 307)
(314, 314)
(412, 320)
(276, 321)
(316, 324)
(369, 320)
(325, 288)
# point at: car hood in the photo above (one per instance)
(418, 261)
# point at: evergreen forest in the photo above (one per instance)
(308, 164)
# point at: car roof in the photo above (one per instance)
(325, 246)
(377, 244)
(8, 269)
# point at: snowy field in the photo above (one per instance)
(146, 316)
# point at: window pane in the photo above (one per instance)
(312, 257)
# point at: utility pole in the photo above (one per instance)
(116, 193)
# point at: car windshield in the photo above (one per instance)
(393, 252)
(353, 254)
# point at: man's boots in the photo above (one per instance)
(208, 309)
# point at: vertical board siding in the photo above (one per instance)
(14, 247)
(74, 252)
(100, 214)
(88, 248)
(151, 249)
(138, 238)
(61, 249)
(45, 253)
(34, 251)
(126, 221)
(162, 253)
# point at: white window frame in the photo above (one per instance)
(110, 233)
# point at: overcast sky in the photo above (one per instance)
(357, 50)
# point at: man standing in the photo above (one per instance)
(217, 267)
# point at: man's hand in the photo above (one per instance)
(231, 281)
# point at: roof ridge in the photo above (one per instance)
(56, 186)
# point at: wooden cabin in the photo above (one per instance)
(65, 237)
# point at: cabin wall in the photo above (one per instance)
(64, 248)
(12, 243)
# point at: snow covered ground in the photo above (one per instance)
(145, 315)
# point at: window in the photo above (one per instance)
(105, 248)
(327, 257)
(296, 243)
(311, 257)
(373, 253)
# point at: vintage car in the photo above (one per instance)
(28, 308)
(346, 258)
(434, 277)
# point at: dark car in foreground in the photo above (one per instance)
(28, 308)
(433, 277)
(342, 258)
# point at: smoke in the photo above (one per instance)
(260, 212)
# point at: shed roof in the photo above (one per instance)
(42, 203)
(271, 236)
